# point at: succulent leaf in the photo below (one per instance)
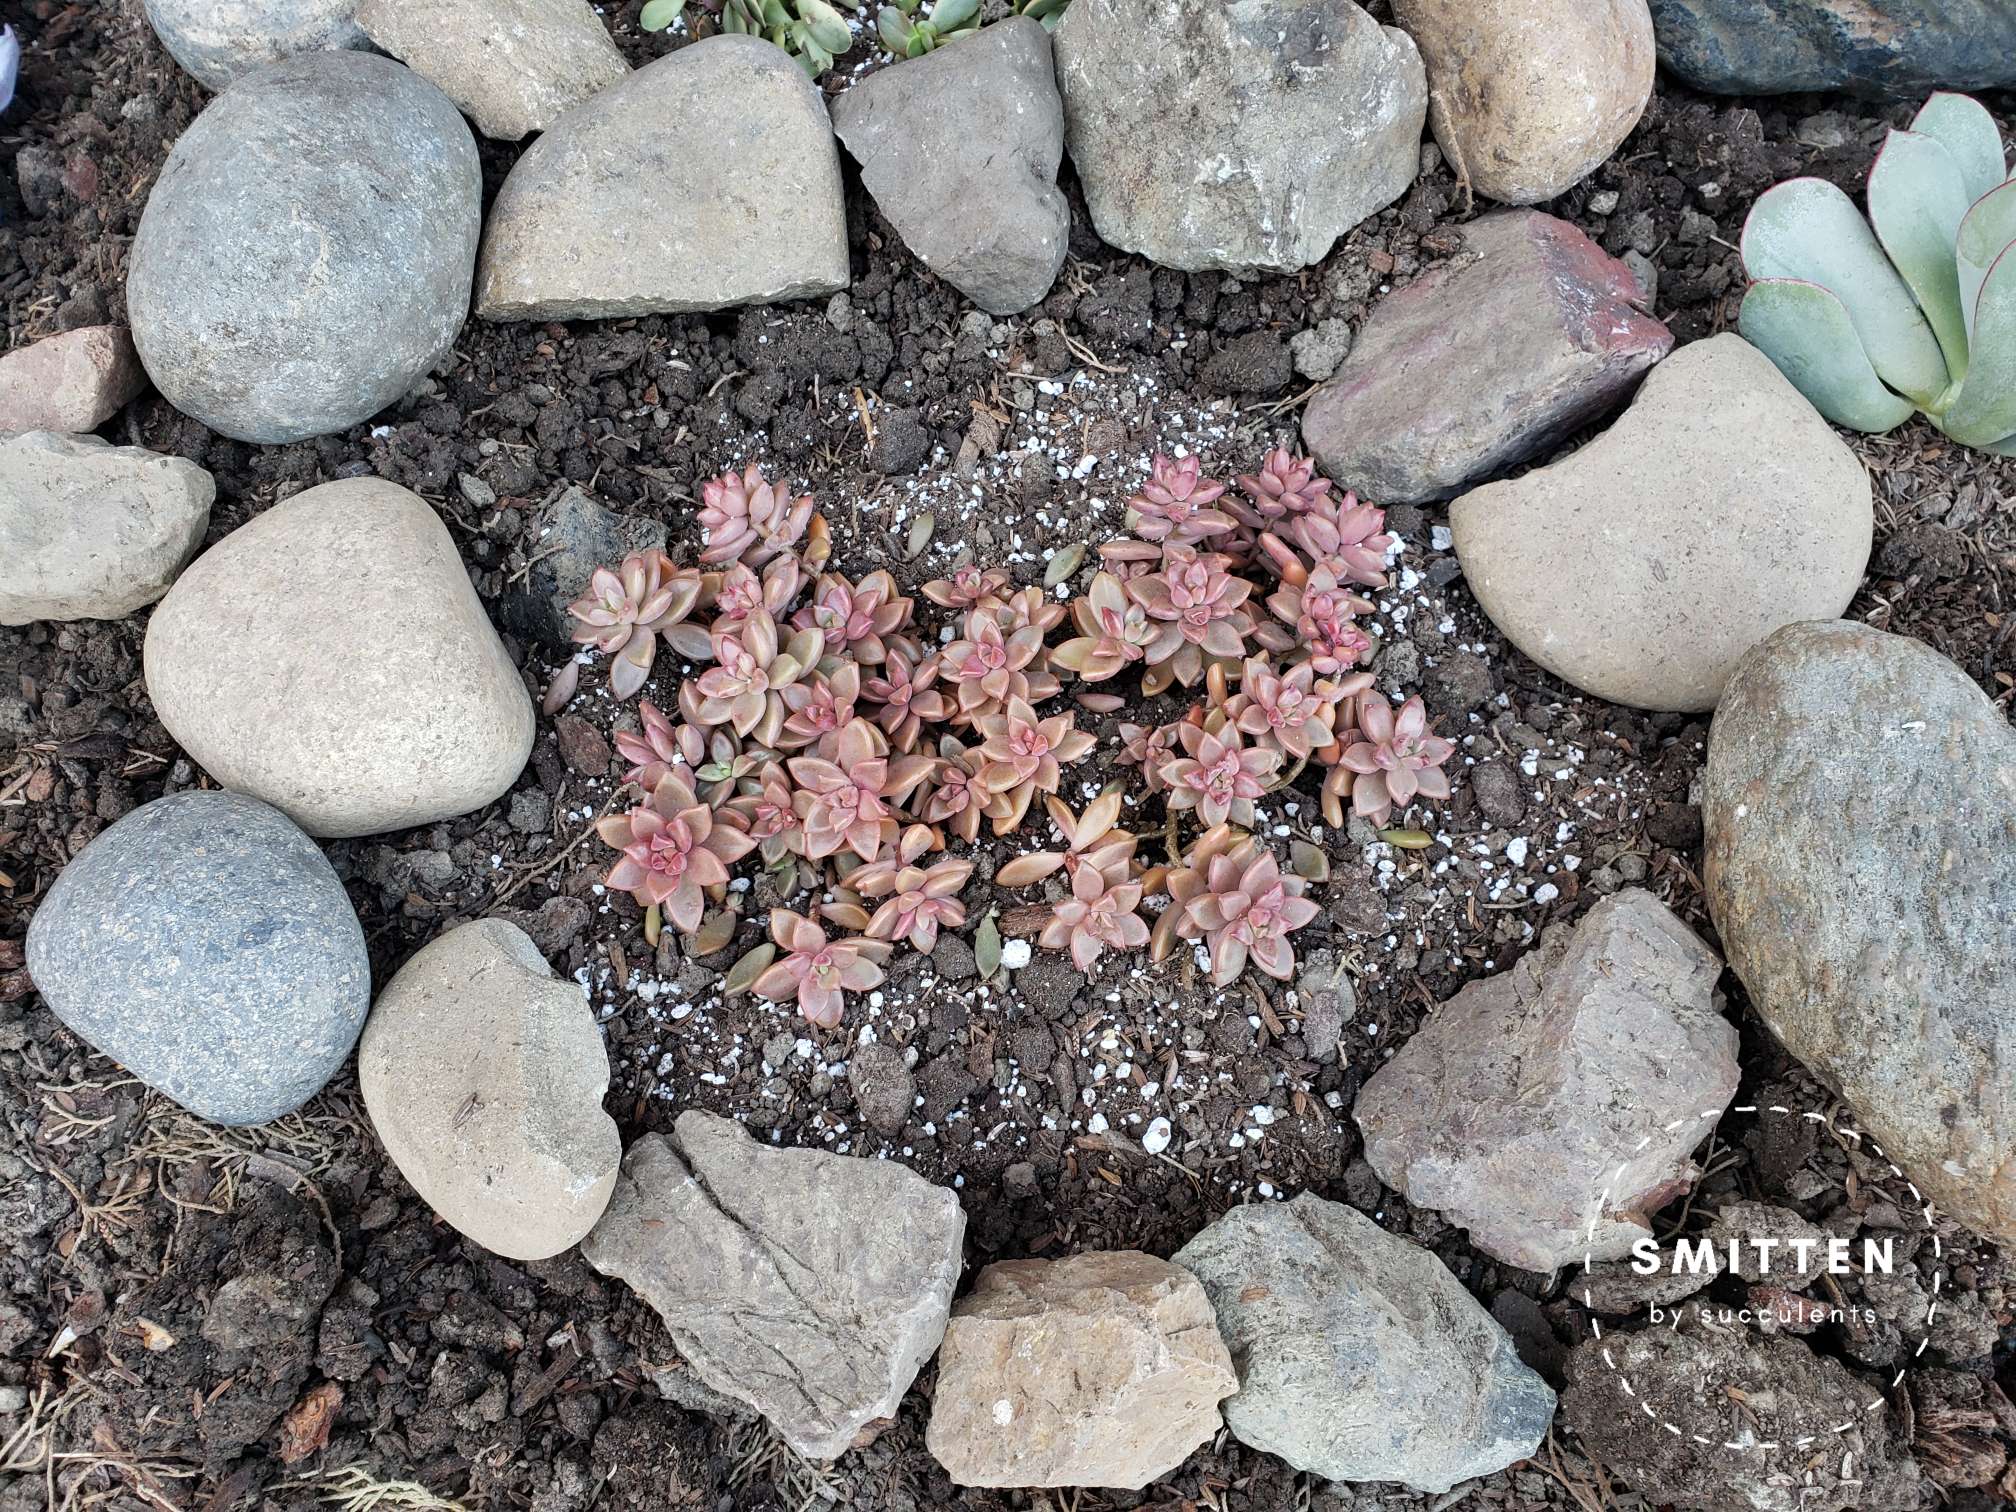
(1917, 198)
(950, 15)
(1807, 332)
(894, 29)
(1963, 126)
(660, 14)
(1807, 229)
(1984, 413)
(827, 29)
(1986, 231)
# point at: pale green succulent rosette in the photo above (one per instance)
(811, 31)
(1912, 309)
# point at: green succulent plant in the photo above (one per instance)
(1049, 12)
(812, 31)
(907, 35)
(1913, 309)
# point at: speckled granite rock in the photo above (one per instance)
(72, 381)
(810, 1285)
(205, 944)
(219, 40)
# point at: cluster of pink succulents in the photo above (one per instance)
(847, 750)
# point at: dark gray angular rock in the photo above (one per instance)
(1244, 135)
(1898, 48)
(1859, 812)
(205, 944)
(960, 149)
(1537, 1108)
(1533, 332)
(1360, 1357)
(810, 1285)
(220, 40)
(305, 256)
(571, 537)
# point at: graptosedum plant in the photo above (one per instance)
(1913, 309)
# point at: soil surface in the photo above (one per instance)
(388, 1350)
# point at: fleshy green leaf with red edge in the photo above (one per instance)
(1807, 332)
(1986, 232)
(1917, 198)
(1963, 126)
(1984, 414)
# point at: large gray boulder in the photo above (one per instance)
(1641, 567)
(1527, 336)
(960, 149)
(332, 658)
(220, 40)
(706, 179)
(206, 945)
(304, 258)
(1243, 135)
(810, 1285)
(93, 531)
(1550, 1109)
(1859, 809)
(1360, 1357)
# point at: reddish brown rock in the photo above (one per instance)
(71, 382)
(1530, 333)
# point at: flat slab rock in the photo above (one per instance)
(206, 945)
(1360, 1357)
(1859, 812)
(1641, 567)
(72, 381)
(1532, 332)
(483, 1074)
(1102, 1369)
(1191, 125)
(960, 150)
(810, 1285)
(706, 179)
(1533, 1107)
(1898, 48)
(93, 531)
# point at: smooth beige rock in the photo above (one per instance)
(1528, 96)
(93, 531)
(74, 381)
(331, 658)
(1097, 1370)
(707, 179)
(1717, 509)
(483, 1074)
(513, 66)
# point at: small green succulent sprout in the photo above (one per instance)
(1049, 12)
(812, 31)
(1913, 309)
(907, 35)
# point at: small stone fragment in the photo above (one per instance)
(218, 40)
(483, 1074)
(206, 945)
(1101, 1369)
(73, 381)
(93, 531)
(1550, 1109)
(1360, 1357)
(884, 1089)
(810, 1285)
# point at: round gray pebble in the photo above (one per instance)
(218, 40)
(205, 944)
(306, 255)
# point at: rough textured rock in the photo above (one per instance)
(1751, 1223)
(1718, 508)
(512, 65)
(1528, 96)
(93, 531)
(1101, 1369)
(1900, 48)
(1859, 808)
(575, 535)
(305, 255)
(73, 381)
(706, 179)
(205, 944)
(1533, 1107)
(483, 1074)
(1360, 1357)
(1532, 332)
(1191, 125)
(810, 1285)
(218, 40)
(331, 658)
(961, 154)
(1729, 1386)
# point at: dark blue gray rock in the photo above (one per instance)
(574, 535)
(306, 255)
(205, 944)
(1898, 48)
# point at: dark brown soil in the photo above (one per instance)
(422, 1359)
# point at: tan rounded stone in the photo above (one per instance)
(1526, 97)
(73, 381)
